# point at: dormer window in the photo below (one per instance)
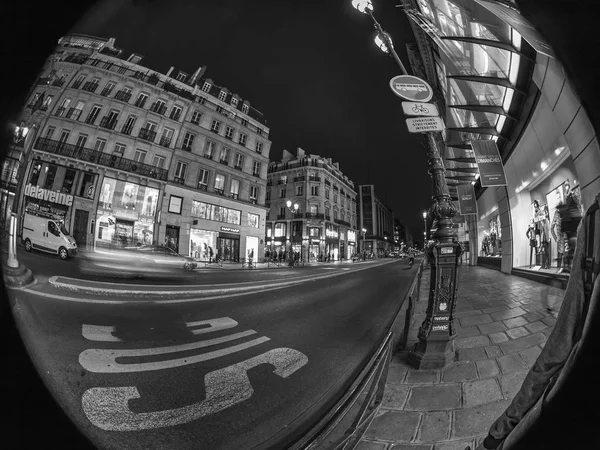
(245, 109)
(222, 95)
(206, 86)
(234, 101)
(181, 76)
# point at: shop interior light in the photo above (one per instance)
(559, 150)
(544, 165)
(477, 176)
(516, 39)
(515, 62)
(500, 124)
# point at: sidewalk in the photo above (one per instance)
(502, 325)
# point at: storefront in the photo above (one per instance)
(65, 193)
(126, 214)
(332, 242)
(228, 244)
(351, 239)
(252, 243)
(556, 208)
(202, 243)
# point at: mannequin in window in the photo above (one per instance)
(545, 238)
(531, 235)
(570, 216)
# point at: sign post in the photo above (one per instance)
(411, 88)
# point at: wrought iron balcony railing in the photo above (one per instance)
(90, 86)
(108, 122)
(127, 128)
(203, 187)
(165, 141)
(147, 135)
(59, 111)
(158, 108)
(103, 159)
(122, 95)
(179, 180)
(302, 178)
(73, 114)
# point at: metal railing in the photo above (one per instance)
(103, 159)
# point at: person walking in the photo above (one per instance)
(210, 254)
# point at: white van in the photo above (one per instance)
(48, 235)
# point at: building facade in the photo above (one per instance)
(144, 157)
(325, 223)
(378, 221)
(497, 81)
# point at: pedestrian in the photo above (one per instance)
(210, 253)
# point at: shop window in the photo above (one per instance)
(87, 185)
(296, 228)
(50, 176)
(280, 229)
(68, 181)
(253, 220)
(35, 174)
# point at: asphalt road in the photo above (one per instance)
(212, 372)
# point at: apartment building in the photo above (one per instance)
(145, 157)
(325, 222)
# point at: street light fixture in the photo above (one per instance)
(364, 232)
(293, 208)
(435, 348)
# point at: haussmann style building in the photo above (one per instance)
(325, 224)
(136, 156)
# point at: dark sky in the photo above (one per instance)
(311, 67)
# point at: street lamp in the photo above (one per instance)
(293, 208)
(435, 348)
(363, 231)
(424, 228)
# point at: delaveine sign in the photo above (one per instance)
(48, 195)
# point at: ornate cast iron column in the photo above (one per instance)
(435, 348)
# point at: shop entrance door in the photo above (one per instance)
(172, 237)
(123, 236)
(80, 227)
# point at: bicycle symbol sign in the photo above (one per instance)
(419, 109)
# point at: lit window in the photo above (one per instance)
(206, 86)
(222, 95)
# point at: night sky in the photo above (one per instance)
(311, 67)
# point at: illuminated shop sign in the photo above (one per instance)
(48, 195)
(230, 229)
(331, 234)
(443, 327)
(351, 236)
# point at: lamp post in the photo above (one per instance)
(435, 348)
(424, 228)
(364, 232)
(293, 208)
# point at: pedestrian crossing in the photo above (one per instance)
(108, 407)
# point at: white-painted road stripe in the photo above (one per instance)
(171, 300)
(104, 361)
(104, 333)
(108, 408)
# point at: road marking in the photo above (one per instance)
(104, 360)
(108, 408)
(104, 333)
(187, 300)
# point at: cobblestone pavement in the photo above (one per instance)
(502, 323)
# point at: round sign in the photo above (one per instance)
(411, 88)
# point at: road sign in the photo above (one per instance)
(424, 124)
(411, 88)
(419, 109)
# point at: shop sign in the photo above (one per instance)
(230, 229)
(332, 234)
(467, 204)
(351, 236)
(487, 156)
(125, 214)
(411, 88)
(443, 327)
(441, 318)
(48, 195)
(424, 124)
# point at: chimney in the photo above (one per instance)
(300, 153)
(170, 71)
(286, 156)
(197, 74)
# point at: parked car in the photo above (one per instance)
(144, 260)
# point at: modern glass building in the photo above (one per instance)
(497, 80)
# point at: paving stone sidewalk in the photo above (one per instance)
(502, 324)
